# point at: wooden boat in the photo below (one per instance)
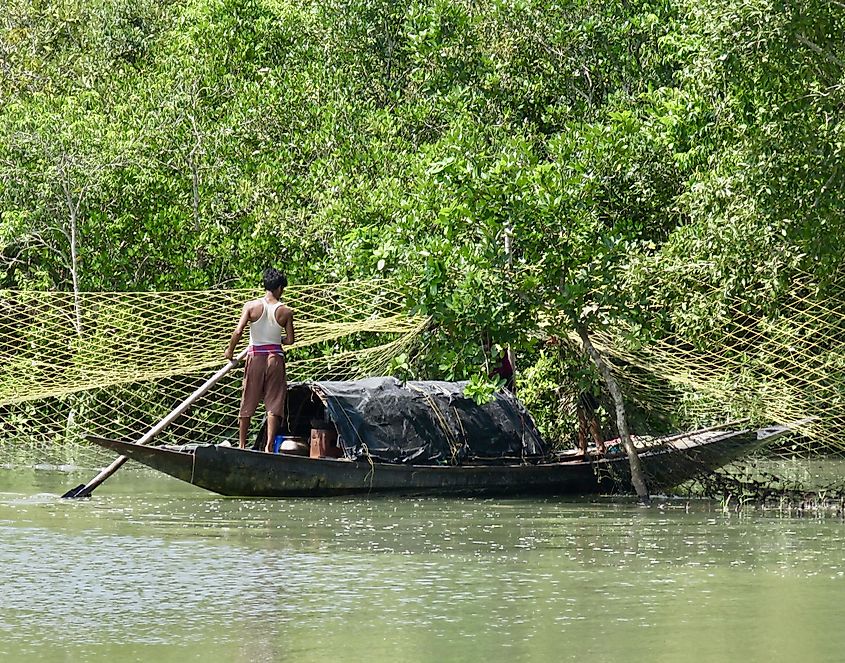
(666, 462)
(427, 437)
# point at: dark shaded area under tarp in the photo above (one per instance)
(424, 422)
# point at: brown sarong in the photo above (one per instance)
(264, 379)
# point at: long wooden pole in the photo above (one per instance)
(85, 489)
(637, 476)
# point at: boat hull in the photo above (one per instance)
(235, 472)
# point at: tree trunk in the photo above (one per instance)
(637, 477)
(508, 242)
(74, 262)
(73, 213)
(195, 182)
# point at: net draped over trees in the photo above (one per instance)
(668, 175)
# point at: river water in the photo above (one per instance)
(153, 569)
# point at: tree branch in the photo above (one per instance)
(827, 55)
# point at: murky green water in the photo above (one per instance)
(152, 569)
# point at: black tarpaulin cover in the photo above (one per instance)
(427, 422)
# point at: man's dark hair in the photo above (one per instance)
(273, 279)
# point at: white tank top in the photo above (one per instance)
(265, 330)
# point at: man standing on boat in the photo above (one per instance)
(264, 375)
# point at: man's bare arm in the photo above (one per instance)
(289, 337)
(236, 335)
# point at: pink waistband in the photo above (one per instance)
(272, 349)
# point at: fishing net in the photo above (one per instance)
(757, 357)
(113, 364)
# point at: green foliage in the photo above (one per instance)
(481, 389)
(187, 145)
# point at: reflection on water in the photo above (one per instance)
(152, 568)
